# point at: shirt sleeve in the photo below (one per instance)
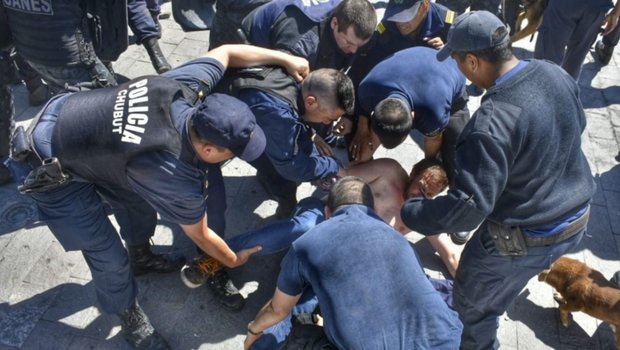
(200, 74)
(290, 279)
(289, 146)
(174, 189)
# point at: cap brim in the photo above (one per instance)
(256, 145)
(444, 53)
(404, 15)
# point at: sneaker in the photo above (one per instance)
(603, 53)
(139, 331)
(225, 291)
(143, 261)
(196, 273)
(460, 238)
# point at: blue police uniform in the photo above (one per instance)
(228, 17)
(527, 219)
(375, 264)
(568, 30)
(434, 90)
(301, 28)
(141, 21)
(153, 168)
(63, 52)
(459, 6)
(388, 39)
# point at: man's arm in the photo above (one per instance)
(212, 244)
(611, 20)
(247, 55)
(432, 145)
(273, 312)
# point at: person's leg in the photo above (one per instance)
(7, 112)
(487, 5)
(147, 33)
(586, 31)
(216, 200)
(554, 32)
(277, 187)
(487, 283)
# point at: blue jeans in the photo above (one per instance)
(279, 235)
(486, 283)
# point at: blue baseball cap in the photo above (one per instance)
(401, 10)
(473, 31)
(227, 122)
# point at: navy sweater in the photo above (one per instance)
(519, 159)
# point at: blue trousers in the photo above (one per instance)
(486, 283)
(568, 30)
(279, 235)
(140, 20)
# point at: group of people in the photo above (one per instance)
(276, 93)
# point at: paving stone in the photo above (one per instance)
(599, 125)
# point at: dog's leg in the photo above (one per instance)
(558, 297)
(565, 315)
(529, 29)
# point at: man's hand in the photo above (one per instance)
(362, 146)
(611, 20)
(343, 127)
(244, 255)
(322, 146)
(436, 42)
(297, 67)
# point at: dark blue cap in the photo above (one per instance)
(473, 31)
(227, 122)
(401, 10)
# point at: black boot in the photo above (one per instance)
(603, 53)
(138, 330)
(225, 291)
(144, 261)
(157, 57)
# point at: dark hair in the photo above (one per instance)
(350, 190)
(358, 13)
(391, 121)
(435, 167)
(331, 85)
(497, 54)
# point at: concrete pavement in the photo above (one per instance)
(47, 299)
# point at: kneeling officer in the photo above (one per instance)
(145, 146)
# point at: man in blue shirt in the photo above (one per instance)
(411, 90)
(398, 309)
(151, 145)
(530, 115)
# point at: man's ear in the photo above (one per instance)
(334, 23)
(473, 62)
(311, 102)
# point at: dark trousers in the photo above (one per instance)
(140, 20)
(278, 187)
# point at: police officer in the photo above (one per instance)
(531, 114)
(150, 143)
(459, 6)
(405, 24)
(63, 52)
(147, 32)
(604, 48)
(327, 33)
(284, 109)
(412, 90)
(568, 30)
(228, 17)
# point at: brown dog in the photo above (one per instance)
(582, 288)
(532, 11)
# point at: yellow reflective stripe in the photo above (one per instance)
(449, 17)
(380, 28)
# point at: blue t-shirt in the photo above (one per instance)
(176, 189)
(416, 76)
(371, 288)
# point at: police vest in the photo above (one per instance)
(271, 80)
(98, 131)
(265, 16)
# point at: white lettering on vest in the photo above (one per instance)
(130, 124)
(37, 7)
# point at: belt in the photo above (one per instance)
(572, 229)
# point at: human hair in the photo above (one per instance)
(434, 168)
(358, 13)
(331, 85)
(391, 121)
(350, 190)
(499, 53)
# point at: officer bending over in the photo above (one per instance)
(146, 146)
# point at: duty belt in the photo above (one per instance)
(513, 241)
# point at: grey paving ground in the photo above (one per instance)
(47, 300)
